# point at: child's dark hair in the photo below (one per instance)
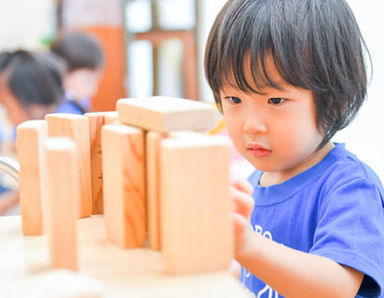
(315, 45)
(78, 50)
(32, 77)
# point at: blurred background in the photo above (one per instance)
(156, 47)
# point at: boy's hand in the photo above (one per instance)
(243, 206)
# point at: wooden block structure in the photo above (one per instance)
(77, 129)
(165, 114)
(150, 156)
(61, 181)
(188, 210)
(30, 135)
(124, 185)
(196, 207)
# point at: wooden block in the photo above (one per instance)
(153, 140)
(111, 117)
(123, 185)
(77, 129)
(30, 135)
(165, 114)
(96, 122)
(196, 207)
(61, 191)
(153, 188)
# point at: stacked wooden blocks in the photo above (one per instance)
(149, 167)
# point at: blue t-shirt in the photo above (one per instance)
(334, 209)
(70, 107)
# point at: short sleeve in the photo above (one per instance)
(350, 230)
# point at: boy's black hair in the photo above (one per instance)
(315, 45)
(78, 50)
(32, 77)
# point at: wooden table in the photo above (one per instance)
(123, 273)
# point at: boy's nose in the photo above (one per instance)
(253, 125)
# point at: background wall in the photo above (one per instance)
(365, 135)
(26, 23)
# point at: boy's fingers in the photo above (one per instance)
(243, 203)
(239, 224)
(244, 186)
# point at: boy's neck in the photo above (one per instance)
(272, 178)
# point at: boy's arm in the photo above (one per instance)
(291, 272)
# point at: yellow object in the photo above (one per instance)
(220, 126)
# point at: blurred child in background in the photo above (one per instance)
(30, 87)
(84, 59)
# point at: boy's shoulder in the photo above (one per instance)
(340, 165)
(346, 176)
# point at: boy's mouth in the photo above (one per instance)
(258, 150)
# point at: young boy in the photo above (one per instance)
(287, 75)
(84, 58)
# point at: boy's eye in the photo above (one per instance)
(233, 100)
(275, 100)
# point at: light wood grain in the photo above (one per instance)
(123, 185)
(165, 114)
(196, 208)
(30, 135)
(111, 117)
(56, 283)
(134, 273)
(96, 122)
(153, 188)
(61, 189)
(77, 129)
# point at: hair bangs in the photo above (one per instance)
(239, 49)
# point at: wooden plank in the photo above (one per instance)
(139, 272)
(96, 122)
(30, 135)
(123, 184)
(61, 189)
(54, 284)
(77, 129)
(153, 140)
(165, 114)
(196, 207)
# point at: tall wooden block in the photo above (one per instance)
(123, 185)
(196, 207)
(165, 114)
(96, 122)
(61, 189)
(153, 140)
(30, 135)
(77, 129)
